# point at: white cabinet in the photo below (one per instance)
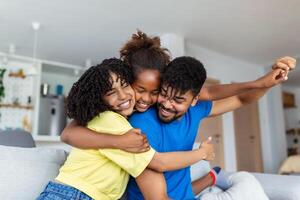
(22, 105)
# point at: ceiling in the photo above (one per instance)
(256, 31)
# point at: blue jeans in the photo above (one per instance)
(56, 191)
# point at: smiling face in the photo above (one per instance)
(146, 87)
(172, 106)
(121, 97)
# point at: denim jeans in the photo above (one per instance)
(56, 191)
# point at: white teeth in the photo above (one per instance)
(124, 105)
(143, 105)
(165, 112)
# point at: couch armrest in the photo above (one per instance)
(280, 187)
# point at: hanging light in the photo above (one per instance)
(36, 27)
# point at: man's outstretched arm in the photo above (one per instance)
(221, 91)
(273, 78)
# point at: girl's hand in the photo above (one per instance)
(134, 141)
(208, 149)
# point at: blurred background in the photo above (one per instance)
(46, 45)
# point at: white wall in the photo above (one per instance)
(227, 70)
(174, 43)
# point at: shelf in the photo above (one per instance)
(293, 131)
(16, 106)
(15, 75)
(46, 138)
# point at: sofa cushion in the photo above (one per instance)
(280, 187)
(26, 171)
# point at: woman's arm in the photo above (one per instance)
(162, 162)
(84, 138)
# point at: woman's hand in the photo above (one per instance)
(133, 141)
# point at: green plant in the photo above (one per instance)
(2, 89)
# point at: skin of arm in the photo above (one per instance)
(217, 92)
(273, 78)
(231, 103)
(84, 138)
(169, 161)
(202, 183)
(149, 190)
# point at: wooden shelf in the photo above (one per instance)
(293, 131)
(46, 138)
(17, 76)
(16, 106)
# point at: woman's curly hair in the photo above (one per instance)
(85, 100)
(143, 52)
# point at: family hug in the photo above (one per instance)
(135, 119)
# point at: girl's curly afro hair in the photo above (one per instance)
(143, 52)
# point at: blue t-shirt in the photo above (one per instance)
(178, 135)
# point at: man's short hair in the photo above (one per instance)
(184, 74)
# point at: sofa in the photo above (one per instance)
(26, 169)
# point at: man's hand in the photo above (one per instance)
(134, 141)
(271, 79)
(279, 73)
(208, 149)
(286, 64)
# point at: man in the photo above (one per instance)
(173, 125)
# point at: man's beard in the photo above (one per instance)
(163, 119)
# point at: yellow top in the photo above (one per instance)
(103, 174)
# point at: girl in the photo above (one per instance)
(101, 100)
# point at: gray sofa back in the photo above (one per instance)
(16, 138)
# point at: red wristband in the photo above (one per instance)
(213, 176)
